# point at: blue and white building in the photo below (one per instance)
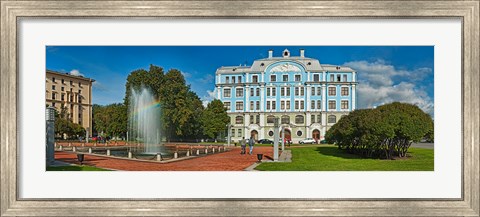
(306, 96)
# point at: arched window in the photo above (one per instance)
(239, 120)
(270, 119)
(299, 119)
(285, 119)
(332, 119)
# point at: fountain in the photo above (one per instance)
(144, 121)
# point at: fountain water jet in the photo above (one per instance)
(144, 120)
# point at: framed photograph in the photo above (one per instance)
(239, 108)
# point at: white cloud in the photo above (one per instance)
(207, 79)
(76, 73)
(98, 86)
(381, 83)
(211, 95)
(186, 74)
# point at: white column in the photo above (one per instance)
(324, 104)
(308, 123)
(354, 76)
(261, 77)
(353, 97)
(308, 91)
(247, 78)
(262, 97)
(247, 96)
(219, 92)
(308, 76)
(262, 125)
(323, 76)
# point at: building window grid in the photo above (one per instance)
(233, 80)
(239, 92)
(299, 119)
(319, 104)
(239, 132)
(288, 105)
(312, 119)
(227, 80)
(285, 78)
(252, 91)
(255, 79)
(319, 91)
(313, 91)
(316, 77)
(251, 119)
(258, 91)
(319, 119)
(239, 106)
(258, 105)
(312, 104)
(298, 78)
(251, 106)
(227, 105)
(273, 78)
(274, 91)
(344, 104)
(239, 119)
(227, 93)
(345, 78)
(332, 91)
(332, 105)
(345, 91)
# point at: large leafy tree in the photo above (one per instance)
(386, 132)
(110, 119)
(214, 119)
(64, 125)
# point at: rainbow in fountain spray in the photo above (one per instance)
(144, 120)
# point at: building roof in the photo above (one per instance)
(310, 65)
(69, 75)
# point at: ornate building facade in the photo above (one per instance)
(307, 97)
(74, 93)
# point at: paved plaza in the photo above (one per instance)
(230, 160)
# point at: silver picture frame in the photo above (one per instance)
(12, 11)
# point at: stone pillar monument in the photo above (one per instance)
(50, 134)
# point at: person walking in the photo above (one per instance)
(250, 144)
(243, 145)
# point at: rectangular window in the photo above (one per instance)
(302, 105)
(332, 105)
(313, 91)
(344, 91)
(257, 105)
(227, 79)
(273, 78)
(257, 119)
(63, 97)
(268, 105)
(288, 105)
(319, 119)
(239, 79)
(274, 105)
(282, 105)
(233, 80)
(288, 91)
(345, 78)
(296, 104)
(297, 78)
(239, 92)
(227, 105)
(53, 104)
(251, 105)
(316, 77)
(332, 91)
(226, 93)
(53, 87)
(239, 132)
(332, 77)
(251, 119)
(319, 91)
(258, 91)
(255, 79)
(338, 78)
(302, 91)
(268, 91)
(53, 95)
(312, 104)
(285, 77)
(53, 80)
(296, 91)
(274, 91)
(252, 91)
(344, 104)
(71, 83)
(239, 106)
(282, 91)
(79, 84)
(312, 119)
(319, 104)
(62, 88)
(233, 132)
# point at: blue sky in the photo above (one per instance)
(385, 73)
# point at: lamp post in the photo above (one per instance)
(50, 135)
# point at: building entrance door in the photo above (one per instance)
(254, 134)
(288, 135)
(316, 135)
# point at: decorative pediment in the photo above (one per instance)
(287, 67)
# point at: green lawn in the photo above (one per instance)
(330, 158)
(75, 168)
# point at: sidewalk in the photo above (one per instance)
(225, 161)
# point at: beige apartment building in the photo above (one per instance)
(72, 92)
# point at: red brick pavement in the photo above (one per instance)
(225, 161)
